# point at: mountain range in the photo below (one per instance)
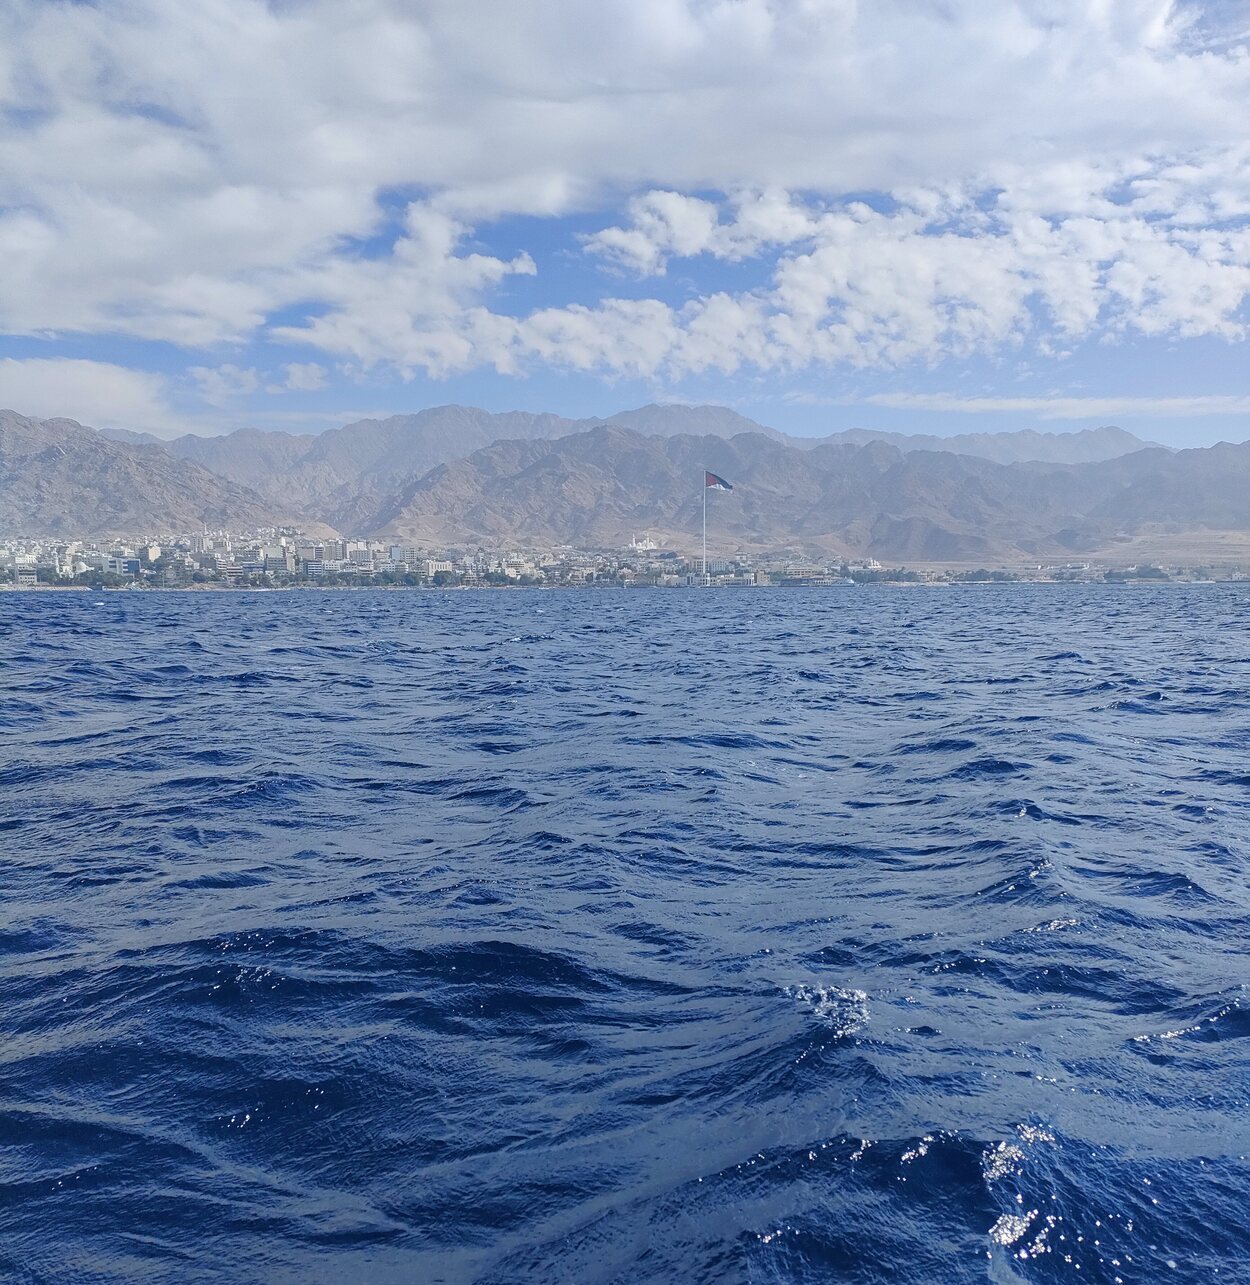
(457, 475)
(603, 485)
(346, 476)
(59, 478)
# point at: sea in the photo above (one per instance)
(834, 934)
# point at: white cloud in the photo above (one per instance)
(93, 392)
(1101, 408)
(664, 223)
(302, 377)
(220, 385)
(667, 225)
(416, 308)
(850, 286)
(1049, 170)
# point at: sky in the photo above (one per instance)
(929, 216)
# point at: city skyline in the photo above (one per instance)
(285, 559)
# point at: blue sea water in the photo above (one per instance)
(859, 934)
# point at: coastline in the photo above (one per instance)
(1019, 582)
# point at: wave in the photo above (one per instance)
(672, 937)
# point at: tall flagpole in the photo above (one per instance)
(706, 579)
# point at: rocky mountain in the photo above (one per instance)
(609, 483)
(345, 476)
(456, 475)
(59, 478)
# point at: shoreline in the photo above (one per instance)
(601, 588)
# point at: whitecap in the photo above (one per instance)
(843, 1011)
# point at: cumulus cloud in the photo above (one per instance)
(916, 179)
(220, 385)
(668, 225)
(299, 377)
(854, 286)
(93, 392)
(417, 307)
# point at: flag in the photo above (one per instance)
(714, 483)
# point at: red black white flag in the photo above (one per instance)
(714, 483)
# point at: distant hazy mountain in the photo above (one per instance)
(59, 478)
(607, 484)
(345, 475)
(701, 421)
(132, 437)
(1089, 446)
(454, 474)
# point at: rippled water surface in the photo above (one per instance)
(854, 934)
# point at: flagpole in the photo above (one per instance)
(706, 579)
